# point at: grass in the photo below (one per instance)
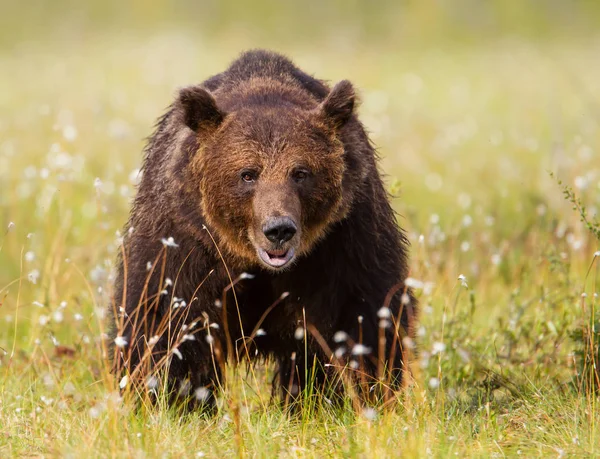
(468, 136)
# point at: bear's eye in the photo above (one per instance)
(248, 176)
(300, 175)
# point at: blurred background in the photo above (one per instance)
(472, 104)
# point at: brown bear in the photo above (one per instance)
(261, 228)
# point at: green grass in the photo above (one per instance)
(468, 136)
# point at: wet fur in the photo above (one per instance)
(353, 252)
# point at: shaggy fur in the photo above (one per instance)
(256, 147)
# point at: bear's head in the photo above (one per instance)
(270, 168)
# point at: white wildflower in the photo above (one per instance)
(123, 382)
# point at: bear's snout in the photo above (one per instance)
(278, 249)
(279, 229)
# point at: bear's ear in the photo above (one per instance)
(199, 108)
(338, 106)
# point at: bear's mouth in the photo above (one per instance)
(276, 258)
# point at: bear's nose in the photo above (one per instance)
(279, 229)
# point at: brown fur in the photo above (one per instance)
(260, 144)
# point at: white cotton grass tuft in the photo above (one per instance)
(57, 316)
(370, 413)
(340, 336)
(151, 382)
(33, 276)
(201, 394)
(120, 341)
(417, 284)
(408, 342)
(177, 352)
(299, 333)
(360, 349)
(384, 313)
(384, 323)
(434, 383)
(437, 348)
(169, 242)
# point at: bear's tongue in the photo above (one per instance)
(276, 253)
(276, 258)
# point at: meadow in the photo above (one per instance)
(492, 151)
